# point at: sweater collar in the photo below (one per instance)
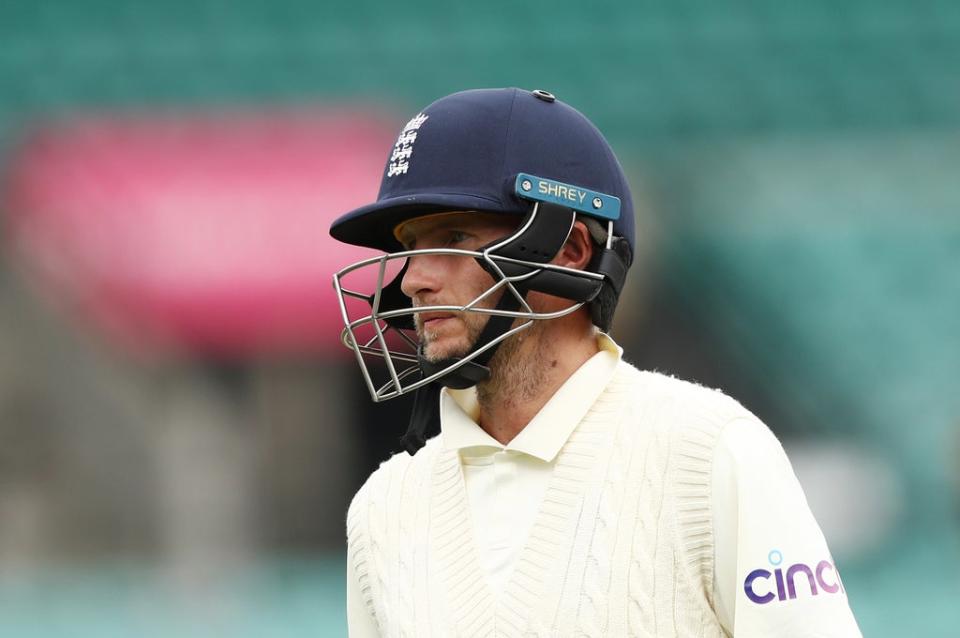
(550, 428)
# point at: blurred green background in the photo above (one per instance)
(796, 168)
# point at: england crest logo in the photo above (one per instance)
(403, 149)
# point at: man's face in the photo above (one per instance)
(450, 280)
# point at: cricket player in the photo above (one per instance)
(548, 487)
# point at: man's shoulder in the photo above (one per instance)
(399, 467)
(661, 392)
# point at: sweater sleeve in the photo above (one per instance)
(774, 572)
(360, 620)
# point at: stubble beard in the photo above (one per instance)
(432, 352)
(517, 369)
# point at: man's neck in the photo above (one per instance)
(528, 371)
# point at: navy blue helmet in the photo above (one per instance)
(503, 151)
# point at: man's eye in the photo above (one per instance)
(457, 237)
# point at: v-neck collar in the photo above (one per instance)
(475, 608)
(550, 428)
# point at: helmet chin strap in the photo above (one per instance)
(425, 418)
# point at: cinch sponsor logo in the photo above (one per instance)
(824, 577)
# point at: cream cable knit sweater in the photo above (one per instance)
(622, 545)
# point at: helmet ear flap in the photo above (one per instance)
(613, 264)
(541, 236)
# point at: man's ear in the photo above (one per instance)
(577, 250)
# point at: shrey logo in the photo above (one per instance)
(822, 578)
(403, 149)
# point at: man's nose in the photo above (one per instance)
(421, 276)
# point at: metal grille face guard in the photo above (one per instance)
(394, 339)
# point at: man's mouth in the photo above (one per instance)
(434, 319)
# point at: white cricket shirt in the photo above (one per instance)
(760, 516)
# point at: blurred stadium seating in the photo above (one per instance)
(797, 161)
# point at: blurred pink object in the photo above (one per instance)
(200, 235)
